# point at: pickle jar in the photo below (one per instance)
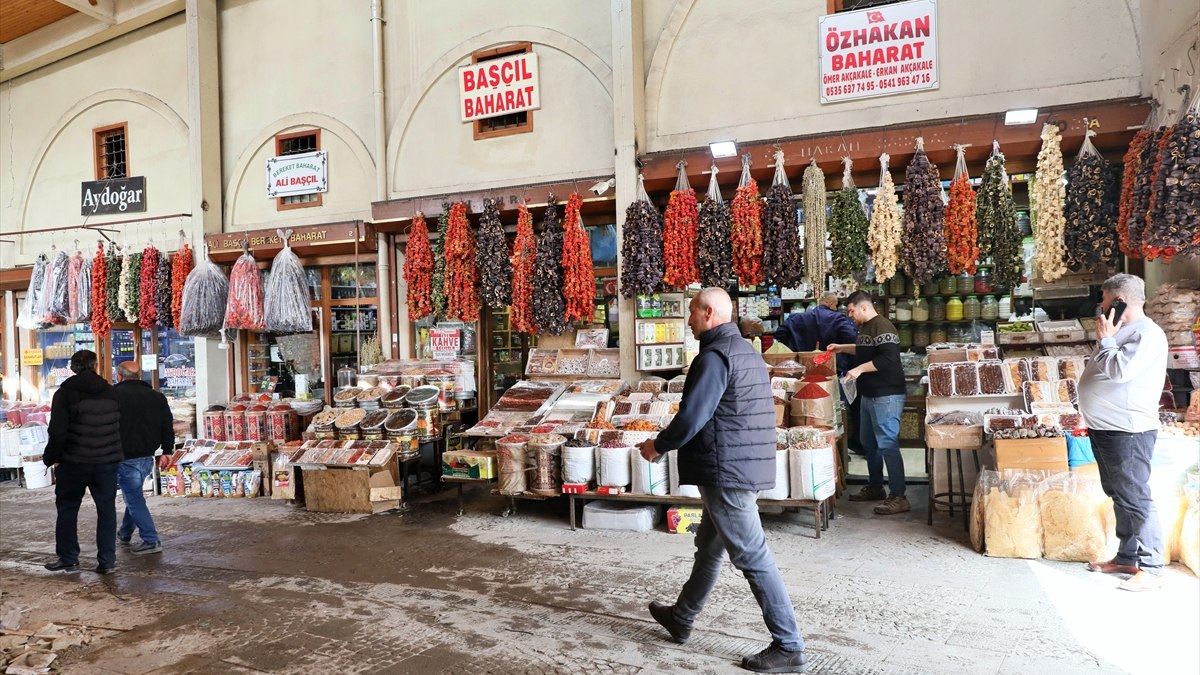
(971, 308)
(920, 310)
(989, 309)
(964, 283)
(929, 287)
(954, 309)
(946, 286)
(937, 309)
(1005, 310)
(904, 310)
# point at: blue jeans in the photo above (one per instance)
(1124, 462)
(131, 474)
(731, 523)
(879, 432)
(71, 480)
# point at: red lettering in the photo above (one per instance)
(906, 30)
(506, 72)
(892, 53)
(493, 75)
(525, 74)
(831, 40)
(489, 105)
(860, 37)
(508, 100)
(923, 26)
(468, 109)
(529, 95)
(468, 81)
(889, 31)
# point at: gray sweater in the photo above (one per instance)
(1120, 387)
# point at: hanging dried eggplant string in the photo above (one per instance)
(924, 238)
(815, 229)
(996, 213)
(783, 266)
(462, 284)
(418, 269)
(885, 229)
(1173, 212)
(524, 258)
(205, 300)
(714, 252)
(848, 228)
(1129, 175)
(1147, 162)
(1046, 200)
(162, 291)
(962, 234)
(679, 233)
(579, 282)
(439, 263)
(549, 307)
(287, 303)
(641, 246)
(1090, 234)
(746, 216)
(491, 256)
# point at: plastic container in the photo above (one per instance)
(921, 337)
(896, 285)
(346, 377)
(904, 310)
(920, 310)
(954, 309)
(906, 336)
(983, 280)
(937, 309)
(964, 283)
(1004, 311)
(37, 474)
(938, 333)
(989, 309)
(929, 288)
(946, 286)
(971, 308)
(444, 380)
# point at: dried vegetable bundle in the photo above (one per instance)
(100, 323)
(1147, 163)
(549, 308)
(244, 308)
(747, 229)
(1173, 213)
(287, 304)
(924, 238)
(418, 270)
(182, 264)
(1133, 159)
(147, 277)
(491, 256)
(438, 283)
(462, 287)
(714, 252)
(56, 293)
(131, 282)
(579, 282)
(1046, 197)
(79, 289)
(641, 246)
(884, 230)
(815, 230)
(524, 256)
(205, 295)
(162, 291)
(115, 299)
(848, 228)
(962, 233)
(997, 216)
(680, 225)
(1090, 235)
(782, 265)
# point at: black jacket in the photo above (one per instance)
(725, 429)
(84, 422)
(146, 421)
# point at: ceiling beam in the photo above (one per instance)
(100, 10)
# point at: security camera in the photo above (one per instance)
(603, 186)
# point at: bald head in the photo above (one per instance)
(718, 301)
(129, 370)
(829, 299)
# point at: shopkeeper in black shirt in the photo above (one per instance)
(880, 382)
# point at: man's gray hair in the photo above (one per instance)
(1127, 286)
(125, 373)
(829, 296)
(717, 299)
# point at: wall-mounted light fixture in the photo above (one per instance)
(1020, 116)
(723, 149)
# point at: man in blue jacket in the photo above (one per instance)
(725, 434)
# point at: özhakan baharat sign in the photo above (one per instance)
(498, 87)
(879, 52)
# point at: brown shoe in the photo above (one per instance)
(869, 493)
(1142, 581)
(1112, 567)
(893, 505)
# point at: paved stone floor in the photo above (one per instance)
(254, 586)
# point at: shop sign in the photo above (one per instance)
(179, 378)
(887, 50)
(32, 357)
(302, 174)
(317, 234)
(116, 195)
(445, 343)
(498, 87)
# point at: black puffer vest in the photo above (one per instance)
(94, 427)
(736, 448)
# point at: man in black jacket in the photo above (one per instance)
(146, 425)
(85, 443)
(725, 433)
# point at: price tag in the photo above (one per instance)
(32, 357)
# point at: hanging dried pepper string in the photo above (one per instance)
(523, 257)
(147, 277)
(181, 266)
(680, 230)
(579, 283)
(1128, 182)
(962, 229)
(462, 288)
(418, 269)
(747, 229)
(100, 323)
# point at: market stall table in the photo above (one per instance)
(821, 508)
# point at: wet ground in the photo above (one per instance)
(260, 586)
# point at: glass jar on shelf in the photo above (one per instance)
(983, 280)
(904, 310)
(1004, 311)
(921, 336)
(946, 285)
(954, 309)
(989, 309)
(971, 308)
(964, 283)
(938, 333)
(920, 310)
(905, 333)
(896, 285)
(937, 309)
(929, 287)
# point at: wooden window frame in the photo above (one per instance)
(480, 133)
(839, 6)
(98, 154)
(279, 138)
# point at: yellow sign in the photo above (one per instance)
(31, 357)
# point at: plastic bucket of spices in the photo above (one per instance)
(444, 380)
(547, 458)
(371, 427)
(347, 424)
(512, 453)
(424, 400)
(401, 427)
(394, 399)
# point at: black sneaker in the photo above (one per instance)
(146, 549)
(60, 566)
(100, 569)
(869, 493)
(776, 659)
(125, 542)
(665, 615)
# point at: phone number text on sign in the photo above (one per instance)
(878, 52)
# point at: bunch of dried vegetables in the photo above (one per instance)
(182, 264)
(162, 291)
(147, 278)
(1090, 233)
(579, 283)
(924, 238)
(204, 299)
(962, 229)
(783, 266)
(287, 304)
(1173, 214)
(1128, 181)
(244, 306)
(714, 252)
(747, 229)
(100, 322)
(680, 225)
(418, 270)
(996, 213)
(438, 282)
(549, 307)
(641, 246)
(491, 256)
(848, 228)
(885, 228)
(462, 289)
(815, 228)
(524, 257)
(1046, 198)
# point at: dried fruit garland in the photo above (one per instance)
(1147, 162)
(924, 238)
(114, 299)
(244, 306)
(1173, 214)
(641, 247)
(1090, 234)
(100, 322)
(962, 228)
(815, 225)
(997, 215)
(782, 265)
(523, 259)
(549, 308)
(181, 266)
(491, 256)
(462, 289)
(714, 254)
(747, 229)
(1046, 198)
(1128, 181)
(79, 289)
(162, 291)
(147, 278)
(438, 283)
(418, 270)
(885, 229)
(848, 227)
(680, 228)
(579, 283)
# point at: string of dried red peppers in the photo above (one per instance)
(579, 284)
(462, 288)
(680, 230)
(418, 269)
(523, 258)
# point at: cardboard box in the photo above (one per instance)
(352, 490)
(469, 464)
(263, 467)
(683, 519)
(952, 355)
(1035, 454)
(781, 414)
(953, 436)
(574, 488)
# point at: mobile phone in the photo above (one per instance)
(1118, 308)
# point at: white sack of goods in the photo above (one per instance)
(616, 516)
(1075, 518)
(649, 478)
(1012, 522)
(677, 489)
(578, 462)
(813, 472)
(512, 452)
(287, 304)
(782, 478)
(614, 464)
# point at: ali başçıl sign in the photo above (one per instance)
(301, 174)
(115, 195)
(879, 52)
(498, 87)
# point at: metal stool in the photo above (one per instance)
(947, 498)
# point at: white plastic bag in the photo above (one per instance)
(287, 303)
(205, 293)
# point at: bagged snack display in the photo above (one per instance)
(1074, 526)
(202, 308)
(1012, 521)
(287, 304)
(244, 307)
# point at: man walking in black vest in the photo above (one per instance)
(725, 434)
(85, 443)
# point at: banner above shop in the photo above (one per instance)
(883, 51)
(498, 87)
(115, 195)
(331, 239)
(302, 174)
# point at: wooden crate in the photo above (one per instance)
(368, 489)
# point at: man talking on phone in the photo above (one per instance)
(1118, 397)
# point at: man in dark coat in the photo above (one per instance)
(146, 425)
(725, 434)
(85, 443)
